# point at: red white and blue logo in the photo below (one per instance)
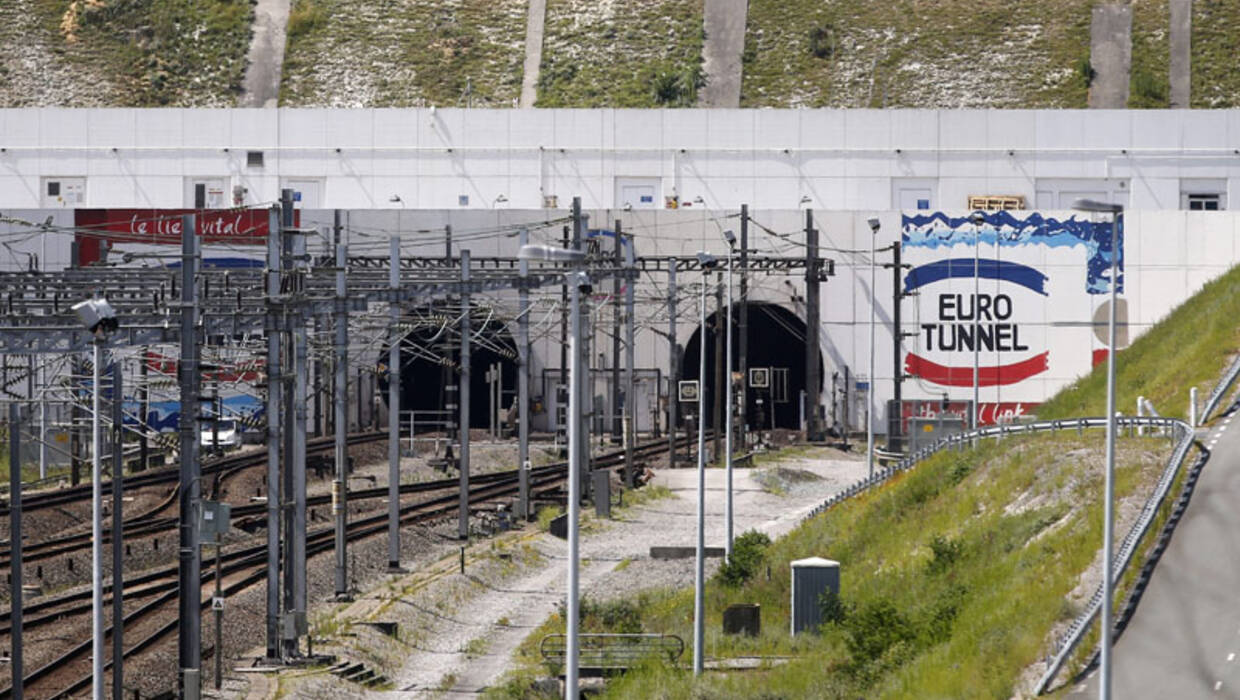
(995, 304)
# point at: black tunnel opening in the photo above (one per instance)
(776, 340)
(430, 362)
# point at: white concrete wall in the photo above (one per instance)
(831, 159)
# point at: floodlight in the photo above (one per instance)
(97, 315)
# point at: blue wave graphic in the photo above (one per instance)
(1004, 228)
(164, 416)
(1005, 270)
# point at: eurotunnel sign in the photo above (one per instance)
(1016, 294)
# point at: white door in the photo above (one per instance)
(638, 192)
(307, 192)
(207, 193)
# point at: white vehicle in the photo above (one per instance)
(225, 435)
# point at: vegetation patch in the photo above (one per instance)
(356, 53)
(636, 53)
(1216, 43)
(915, 53)
(1203, 333)
(1149, 85)
(173, 53)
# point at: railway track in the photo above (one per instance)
(170, 475)
(245, 567)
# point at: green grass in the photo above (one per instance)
(915, 53)
(171, 53)
(1190, 347)
(1215, 83)
(635, 53)
(451, 53)
(1149, 86)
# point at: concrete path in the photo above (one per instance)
(534, 27)
(265, 60)
(1184, 639)
(1181, 40)
(1110, 55)
(724, 21)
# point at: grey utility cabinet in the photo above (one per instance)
(810, 578)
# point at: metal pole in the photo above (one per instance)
(189, 584)
(727, 449)
(813, 379)
(118, 571)
(699, 581)
(1104, 687)
(742, 331)
(463, 513)
(288, 487)
(717, 417)
(977, 246)
(561, 393)
(630, 349)
(15, 550)
(96, 520)
(340, 491)
(394, 413)
(274, 436)
(571, 691)
(617, 420)
(673, 373)
(43, 425)
(869, 392)
(523, 388)
(298, 336)
(219, 623)
(144, 447)
(895, 418)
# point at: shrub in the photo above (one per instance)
(874, 628)
(945, 551)
(832, 608)
(305, 17)
(748, 551)
(1085, 72)
(1148, 90)
(677, 88)
(822, 42)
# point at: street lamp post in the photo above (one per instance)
(978, 218)
(707, 263)
(579, 283)
(1117, 216)
(730, 238)
(99, 318)
(875, 225)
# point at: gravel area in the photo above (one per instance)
(458, 632)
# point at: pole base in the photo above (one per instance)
(394, 567)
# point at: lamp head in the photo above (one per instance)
(729, 237)
(1093, 205)
(96, 315)
(707, 261)
(582, 282)
(978, 217)
(874, 223)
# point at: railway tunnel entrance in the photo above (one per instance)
(776, 341)
(431, 360)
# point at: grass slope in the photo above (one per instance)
(358, 53)
(608, 53)
(1190, 347)
(1148, 83)
(173, 53)
(916, 53)
(1216, 43)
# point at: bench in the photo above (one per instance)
(599, 654)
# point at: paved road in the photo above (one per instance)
(1184, 639)
(724, 22)
(1110, 55)
(265, 60)
(534, 25)
(1181, 40)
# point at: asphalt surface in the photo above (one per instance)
(1181, 42)
(265, 61)
(1184, 638)
(1110, 55)
(534, 28)
(724, 22)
